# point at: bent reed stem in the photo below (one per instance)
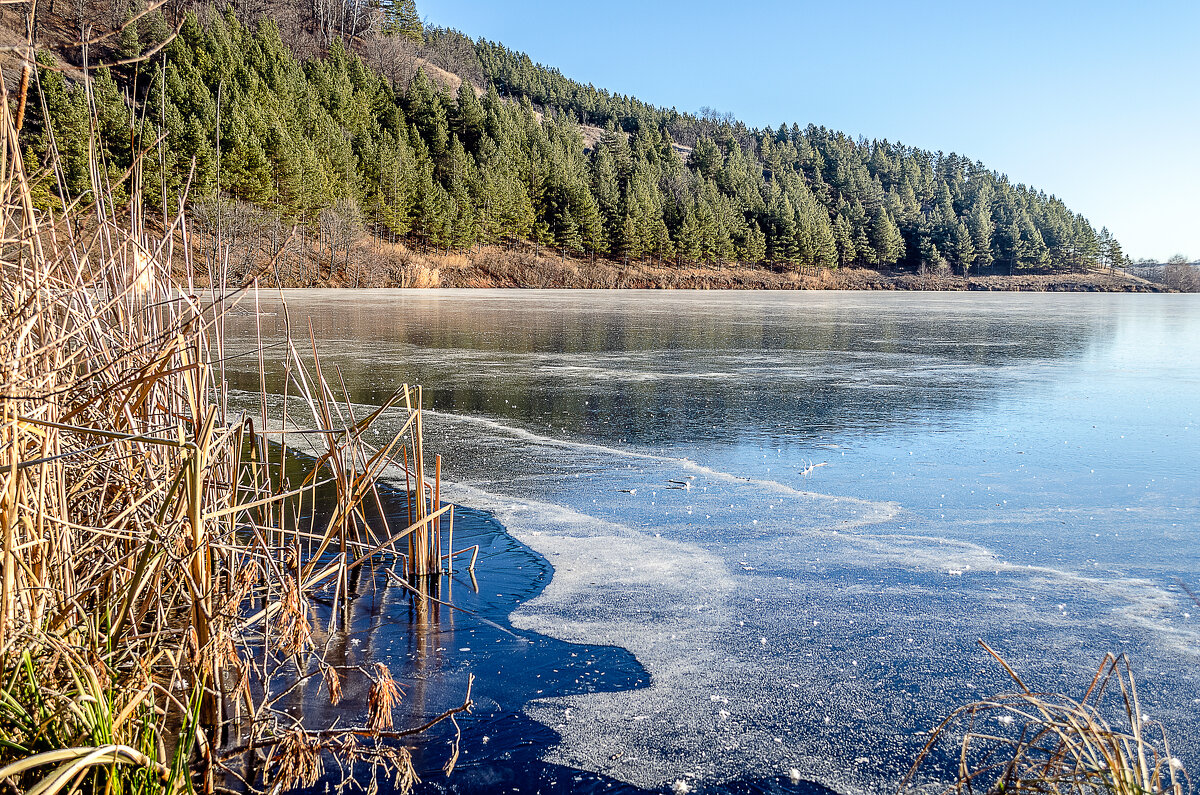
(142, 520)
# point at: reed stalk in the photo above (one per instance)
(142, 521)
(1050, 744)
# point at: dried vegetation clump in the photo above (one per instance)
(158, 560)
(1051, 744)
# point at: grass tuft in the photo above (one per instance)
(1029, 742)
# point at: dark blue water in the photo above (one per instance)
(434, 650)
(794, 515)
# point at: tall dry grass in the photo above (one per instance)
(1051, 744)
(156, 574)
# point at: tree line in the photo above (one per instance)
(229, 110)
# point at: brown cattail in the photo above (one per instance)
(142, 271)
(299, 761)
(385, 694)
(333, 682)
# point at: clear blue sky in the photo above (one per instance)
(1096, 102)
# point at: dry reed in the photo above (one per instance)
(141, 519)
(1046, 743)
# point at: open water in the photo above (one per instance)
(759, 534)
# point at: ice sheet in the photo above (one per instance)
(800, 512)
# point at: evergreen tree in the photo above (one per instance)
(962, 248)
(981, 227)
(754, 245)
(630, 243)
(607, 191)
(1111, 253)
(687, 239)
(824, 253)
(886, 239)
(844, 241)
(469, 120)
(586, 214)
(706, 159)
(660, 241)
(66, 128)
(400, 18)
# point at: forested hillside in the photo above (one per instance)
(357, 134)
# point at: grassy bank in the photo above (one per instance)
(492, 267)
(297, 260)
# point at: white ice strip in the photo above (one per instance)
(705, 629)
(816, 519)
(683, 604)
(874, 513)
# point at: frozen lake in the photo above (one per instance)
(799, 511)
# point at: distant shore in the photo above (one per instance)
(384, 265)
(370, 262)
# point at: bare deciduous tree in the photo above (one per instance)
(395, 57)
(1179, 274)
(227, 231)
(338, 227)
(455, 53)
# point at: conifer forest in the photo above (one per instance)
(358, 126)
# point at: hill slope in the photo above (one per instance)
(448, 144)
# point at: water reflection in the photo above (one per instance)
(664, 368)
(1017, 468)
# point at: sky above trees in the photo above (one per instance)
(1096, 102)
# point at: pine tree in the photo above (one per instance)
(426, 110)
(392, 192)
(429, 210)
(707, 231)
(863, 249)
(1032, 251)
(755, 246)
(1111, 253)
(39, 190)
(586, 213)
(706, 158)
(66, 124)
(1087, 246)
(824, 247)
(962, 248)
(129, 45)
(930, 256)
(630, 243)
(400, 18)
(687, 238)
(660, 242)
(607, 191)
(843, 239)
(114, 123)
(246, 171)
(982, 229)
(781, 234)
(469, 121)
(886, 239)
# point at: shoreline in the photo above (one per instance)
(371, 262)
(501, 745)
(501, 268)
(432, 651)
